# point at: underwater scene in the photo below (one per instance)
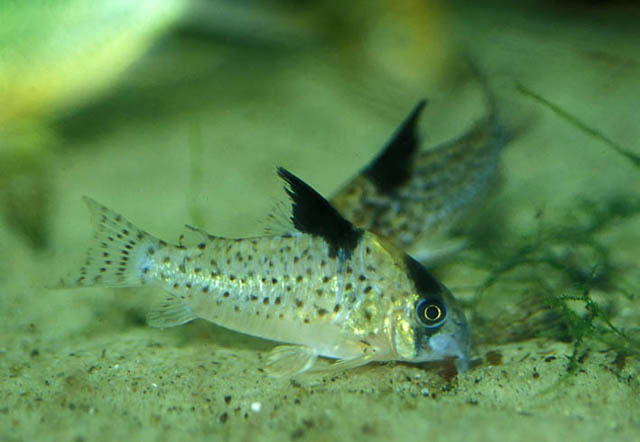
(319, 220)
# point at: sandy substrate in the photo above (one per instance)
(81, 365)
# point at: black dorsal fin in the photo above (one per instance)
(392, 167)
(311, 213)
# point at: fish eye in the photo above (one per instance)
(430, 313)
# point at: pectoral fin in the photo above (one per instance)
(439, 251)
(293, 360)
(289, 360)
(344, 364)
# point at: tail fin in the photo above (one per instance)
(121, 254)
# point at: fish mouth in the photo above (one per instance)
(462, 362)
(448, 346)
(464, 349)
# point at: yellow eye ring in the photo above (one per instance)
(431, 313)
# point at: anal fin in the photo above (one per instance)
(289, 360)
(170, 313)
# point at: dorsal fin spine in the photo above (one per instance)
(311, 213)
(392, 167)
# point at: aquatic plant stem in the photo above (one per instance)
(631, 156)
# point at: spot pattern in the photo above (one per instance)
(291, 283)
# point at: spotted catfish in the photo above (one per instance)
(406, 194)
(326, 287)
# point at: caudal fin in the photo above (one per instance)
(121, 253)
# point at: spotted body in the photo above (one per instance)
(406, 194)
(290, 289)
(326, 287)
